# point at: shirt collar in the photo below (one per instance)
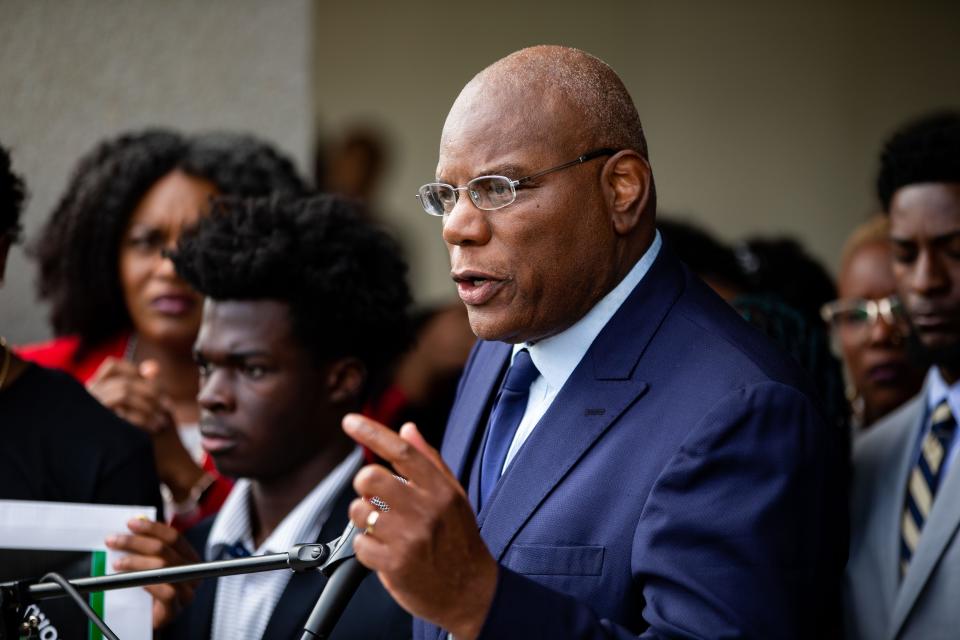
(302, 524)
(938, 390)
(557, 356)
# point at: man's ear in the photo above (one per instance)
(627, 182)
(346, 378)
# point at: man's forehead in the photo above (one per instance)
(229, 323)
(502, 132)
(926, 208)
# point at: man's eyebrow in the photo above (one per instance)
(946, 237)
(940, 239)
(509, 170)
(232, 357)
(513, 171)
(242, 355)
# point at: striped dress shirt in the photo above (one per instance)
(244, 603)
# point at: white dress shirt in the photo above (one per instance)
(557, 356)
(244, 603)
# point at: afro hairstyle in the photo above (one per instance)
(343, 279)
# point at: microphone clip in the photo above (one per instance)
(339, 550)
(304, 557)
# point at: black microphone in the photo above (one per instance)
(345, 575)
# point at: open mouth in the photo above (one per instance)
(477, 288)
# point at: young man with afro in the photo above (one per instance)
(305, 310)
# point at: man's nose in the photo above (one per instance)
(929, 275)
(466, 224)
(216, 393)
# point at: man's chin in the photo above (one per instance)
(933, 355)
(488, 325)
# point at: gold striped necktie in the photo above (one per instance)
(924, 480)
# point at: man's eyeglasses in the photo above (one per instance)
(488, 192)
(859, 313)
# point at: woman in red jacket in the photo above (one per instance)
(125, 322)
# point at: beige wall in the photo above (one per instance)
(762, 117)
(73, 72)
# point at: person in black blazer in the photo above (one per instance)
(58, 443)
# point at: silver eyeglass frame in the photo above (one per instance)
(889, 309)
(590, 155)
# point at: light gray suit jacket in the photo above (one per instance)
(926, 604)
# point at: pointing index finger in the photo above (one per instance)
(403, 456)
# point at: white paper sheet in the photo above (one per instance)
(82, 527)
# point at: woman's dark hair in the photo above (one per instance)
(782, 267)
(12, 195)
(78, 248)
(702, 252)
(343, 278)
(925, 150)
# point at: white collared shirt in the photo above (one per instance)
(244, 603)
(557, 356)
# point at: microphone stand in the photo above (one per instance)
(345, 574)
(16, 595)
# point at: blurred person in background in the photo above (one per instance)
(903, 577)
(783, 267)
(712, 260)
(768, 291)
(125, 322)
(424, 384)
(353, 164)
(868, 327)
(785, 290)
(57, 442)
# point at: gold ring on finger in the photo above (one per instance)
(372, 522)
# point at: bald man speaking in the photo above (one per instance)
(626, 457)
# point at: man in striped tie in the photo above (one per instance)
(903, 577)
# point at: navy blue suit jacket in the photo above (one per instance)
(371, 614)
(682, 484)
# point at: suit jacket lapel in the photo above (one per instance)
(301, 593)
(465, 419)
(601, 388)
(937, 533)
(197, 620)
(295, 604)
(201, 609)
(886, 538)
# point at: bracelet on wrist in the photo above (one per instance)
(189, 504)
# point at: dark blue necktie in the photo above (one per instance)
(236, 550)
(504, 420)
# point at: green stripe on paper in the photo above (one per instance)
(98, 567)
